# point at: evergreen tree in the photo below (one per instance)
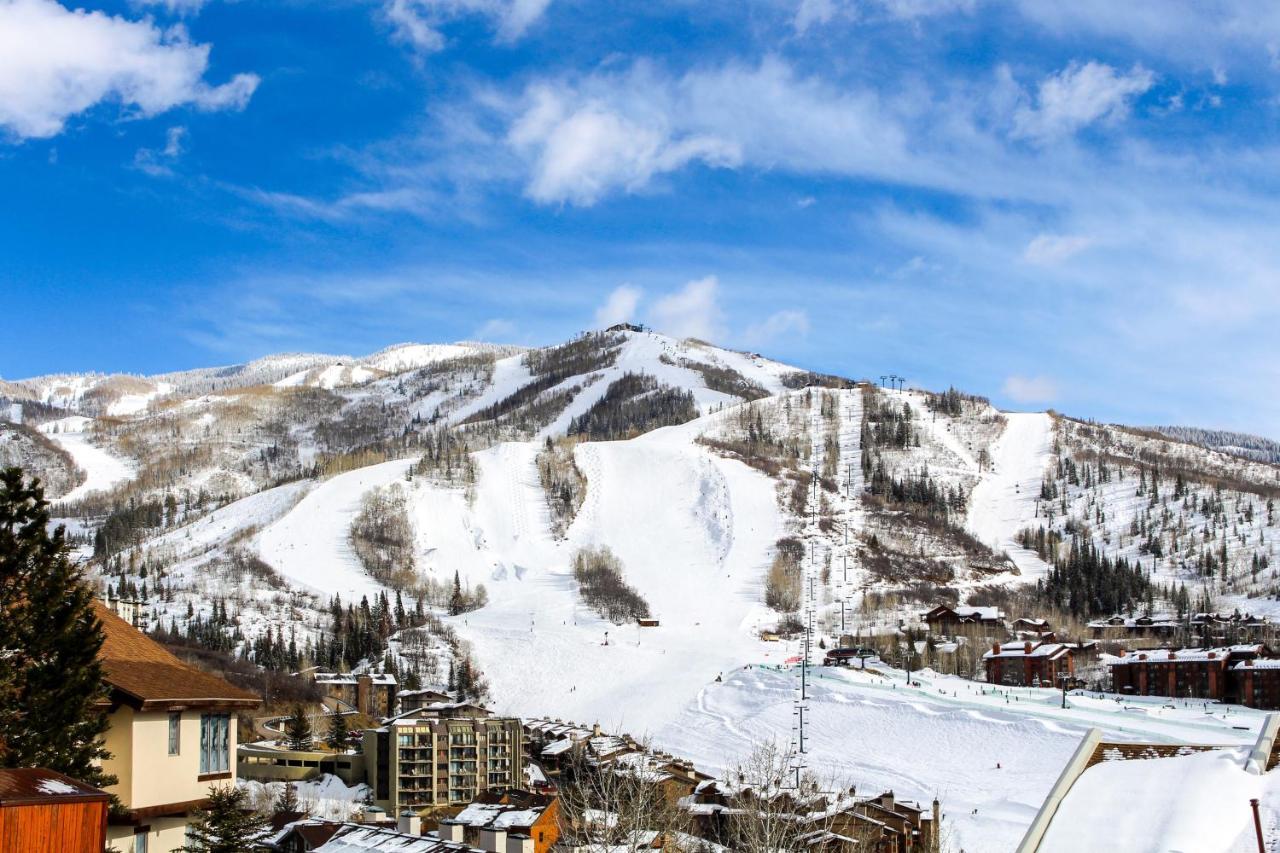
(226, 825)
(338, 732)
(297, 729)
(50, 675)
(456, 602)
(287, 802)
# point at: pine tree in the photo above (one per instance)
(287, 802)
(226, 825)
(297, 729)
(50, 675)
(456, 603)
(338, 732)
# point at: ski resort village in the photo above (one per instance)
(629, 592)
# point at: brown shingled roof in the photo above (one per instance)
(144, 675)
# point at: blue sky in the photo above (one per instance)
(1055, 204)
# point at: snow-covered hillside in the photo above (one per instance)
(730, 492)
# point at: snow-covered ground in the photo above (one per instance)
(1004, 501)
(942, 739)
(325, 797)
(692, 532)
(310, 545)
(102, 469)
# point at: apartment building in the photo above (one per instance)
(172, 734)
(441, 757)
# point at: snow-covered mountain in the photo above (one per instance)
(730, 490)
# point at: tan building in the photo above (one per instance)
(371, 694)
(172, 735)
(442, 756)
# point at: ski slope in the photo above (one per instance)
(693, 533)
(309, 545)
(102, 470)
(1004, 501)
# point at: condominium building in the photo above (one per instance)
(441, 756)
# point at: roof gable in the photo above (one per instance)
(144, 675)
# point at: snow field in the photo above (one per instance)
(941, 739)
(102, 470)
(309, 545)
(1004, 501)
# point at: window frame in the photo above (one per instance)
(175, 732)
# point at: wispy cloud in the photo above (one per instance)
(620, 307)
(691, 312)
(1078, 96)
(420, 23)
(1030, 389)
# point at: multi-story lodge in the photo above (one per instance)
(172, 734)
(1186, 673)
(1028, 664)
(442, 756)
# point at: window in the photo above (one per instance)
(175, 723)
(215, 744)
(140, 842)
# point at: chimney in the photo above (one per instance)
(493, 840)
(449, 830)
(1026, 647)
(373, 815)
(937, 825)
(409, 823)
(995, 648)
(596, 731)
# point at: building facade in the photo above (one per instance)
(442, 757)
(1028, 664)
(1184, 673)
(172, 734)
(371, 694)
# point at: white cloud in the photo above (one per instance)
(159, 162)
(176, 7)
(418, 22)
(777, 325)
(56, 63)
(1078, 96)
(1053, 249)
(582, 139)
(496, 330)
(692, 312)
(1030, 389)
(583, 148)
(818, 12)
(620, 307)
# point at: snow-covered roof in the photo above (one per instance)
(1187, 802)
(1019, 650)
(358, 838)
(1259, 663)
(1175, 655)
(499, 816)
